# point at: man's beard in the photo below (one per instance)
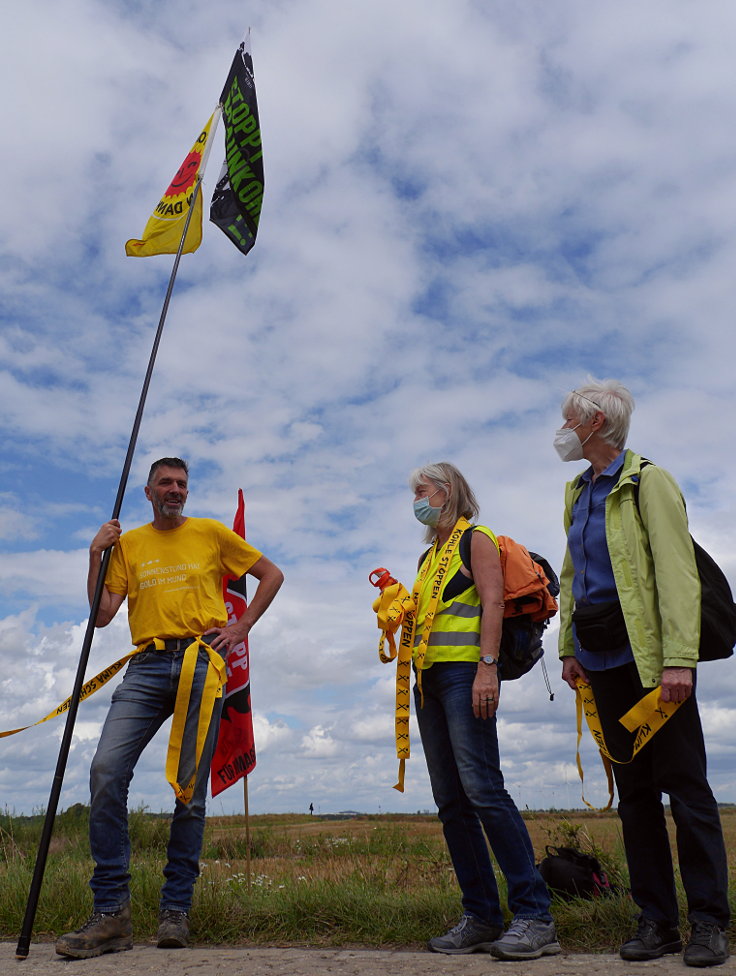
(170, 509)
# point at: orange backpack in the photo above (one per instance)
(530, 586)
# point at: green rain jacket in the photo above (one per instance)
(654, 567)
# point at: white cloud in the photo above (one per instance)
(468, 208)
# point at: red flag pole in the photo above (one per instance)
(24, 939)
(234, 756)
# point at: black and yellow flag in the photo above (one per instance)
(236, 202)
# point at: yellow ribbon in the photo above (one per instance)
(645, 718)
(393, 608)
(447, 553)
(88, 689)
(213, 685)
(214, 682)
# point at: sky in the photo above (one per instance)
(470, 207)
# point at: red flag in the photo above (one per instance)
(235, 755)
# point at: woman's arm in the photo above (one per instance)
(485, 564)
(663, 515)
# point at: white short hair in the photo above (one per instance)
(612, 399)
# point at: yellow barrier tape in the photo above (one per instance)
(645, 718)
(88, 689)
(393, 608)
(452, 543)
(214, 682)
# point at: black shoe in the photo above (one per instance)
(469, 935)
(652, 940)
(173, 929)
(708, 945)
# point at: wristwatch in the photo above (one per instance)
(488, 659)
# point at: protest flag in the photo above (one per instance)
(165, 226)
(235, 755)
(160, 237)
(236, 202)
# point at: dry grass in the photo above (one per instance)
(373, 880)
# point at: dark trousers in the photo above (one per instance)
(672, 762)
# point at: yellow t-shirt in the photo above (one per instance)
(173, 577)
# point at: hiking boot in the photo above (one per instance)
(173, 929)
(469, 935)
(102, 932)
(652, 940)
(527, 938)
(708, 945)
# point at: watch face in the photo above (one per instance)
(487, 659)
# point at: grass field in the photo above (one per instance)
(365, 881)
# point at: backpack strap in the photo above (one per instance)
(637, 484)
(465, 543)
(465, 540)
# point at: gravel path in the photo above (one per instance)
(147, 959)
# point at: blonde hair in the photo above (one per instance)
(460, 498)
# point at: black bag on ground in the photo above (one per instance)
(572, 874)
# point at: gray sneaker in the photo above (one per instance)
(102, 932)
(469, 935)
(527, 938)
(173, 929)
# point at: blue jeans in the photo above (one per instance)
(464, 769)
(140, 705)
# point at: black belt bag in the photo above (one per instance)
(600, 626)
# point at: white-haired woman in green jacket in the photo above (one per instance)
(629, 622)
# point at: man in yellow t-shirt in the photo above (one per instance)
(171, 571)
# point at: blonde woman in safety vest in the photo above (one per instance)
(456, 638)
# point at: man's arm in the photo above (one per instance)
(269, 578)
(110, 603)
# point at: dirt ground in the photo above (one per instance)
(146, 959)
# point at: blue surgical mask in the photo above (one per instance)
(426, 513)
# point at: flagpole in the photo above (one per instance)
(247, 831)
(24, 939)
(245, 778)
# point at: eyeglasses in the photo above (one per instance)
(584, 397)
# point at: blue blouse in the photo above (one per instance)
(593, 581)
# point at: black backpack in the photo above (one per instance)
(571, 874)
(717, 609)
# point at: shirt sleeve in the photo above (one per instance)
(116, 580)
(676, 575)
(237, 555)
